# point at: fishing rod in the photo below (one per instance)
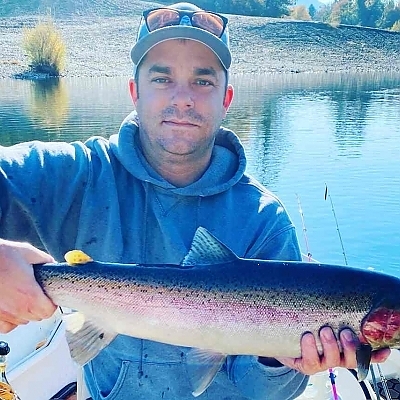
(332, 376)
(373, 376)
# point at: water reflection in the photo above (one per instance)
(48, 103)
(350, 108)
(269, 110)
(300, 131)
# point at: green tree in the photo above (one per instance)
(324, 13)
(277, 8)
(344, 12)
(312, 11)
(391, 14)
(370, 12)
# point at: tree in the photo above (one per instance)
(344, 12)
(324, 13)
(312, 11)
(390, 15)
(370, 12)
(277, 8)
(300, 13)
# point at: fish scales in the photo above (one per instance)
(240, 307)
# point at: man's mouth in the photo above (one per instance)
(179, 123)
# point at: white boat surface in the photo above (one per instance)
(39, 364)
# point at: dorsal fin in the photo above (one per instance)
(206, 249)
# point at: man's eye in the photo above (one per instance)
(160, 80)
(203, 82)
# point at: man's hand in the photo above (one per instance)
(312, 362)
(22, 300)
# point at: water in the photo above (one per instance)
(301, 133)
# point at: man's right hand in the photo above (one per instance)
(21, 298)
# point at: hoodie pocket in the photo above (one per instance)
(119, 390)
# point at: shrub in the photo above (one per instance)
(45, 48)
(396, 26)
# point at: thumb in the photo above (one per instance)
(27, 252)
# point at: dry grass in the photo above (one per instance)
(45, 48)
(396, 26)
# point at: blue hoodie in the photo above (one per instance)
(104, 198)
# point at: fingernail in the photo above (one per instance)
(347, 335)
(327, 333)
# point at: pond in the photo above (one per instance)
(302, 133)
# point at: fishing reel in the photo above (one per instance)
(6, 391)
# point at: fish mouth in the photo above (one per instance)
(381, 328)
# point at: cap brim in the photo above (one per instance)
(141, 47)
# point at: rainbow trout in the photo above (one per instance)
(223, 304)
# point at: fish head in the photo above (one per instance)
(381, 327)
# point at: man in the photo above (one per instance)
(140, 196)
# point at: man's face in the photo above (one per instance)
(182, 100)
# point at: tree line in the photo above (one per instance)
(384, 14)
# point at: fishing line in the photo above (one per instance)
(336, 221)
(384, 382)
(309, 255)
(332, 375)
(374, 380)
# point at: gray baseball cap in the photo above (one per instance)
(147, 40)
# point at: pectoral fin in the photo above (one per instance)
(85, 338)
(203, 366)
(363, 356)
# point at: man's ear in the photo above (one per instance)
(133, 90)
(228, 97)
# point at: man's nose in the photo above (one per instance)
(182, 97)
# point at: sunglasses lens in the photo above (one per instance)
(162, 17)
(209, 22)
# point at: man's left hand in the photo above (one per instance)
(312, 362)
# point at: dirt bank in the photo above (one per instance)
(99, 46)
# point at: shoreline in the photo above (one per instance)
(100, 46)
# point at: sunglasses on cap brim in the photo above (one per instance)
(158, 18)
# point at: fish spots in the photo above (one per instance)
(33, 200)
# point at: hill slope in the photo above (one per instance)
(99, 37)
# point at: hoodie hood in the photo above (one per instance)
(228, 161)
